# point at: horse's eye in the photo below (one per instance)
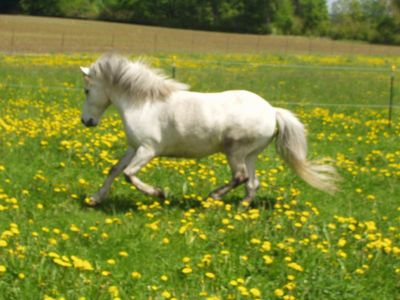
(86, 91)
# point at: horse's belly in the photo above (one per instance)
(189, 150)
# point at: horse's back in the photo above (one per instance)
(204, 123)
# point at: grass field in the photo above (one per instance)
(295, 243)
(44, 35)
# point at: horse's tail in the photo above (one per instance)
(291, 145)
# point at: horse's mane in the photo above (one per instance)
(135, 78)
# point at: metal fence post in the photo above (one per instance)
(62, 42)
(12, 41)
(174, 67)
(391, 95)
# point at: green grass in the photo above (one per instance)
(295, 243)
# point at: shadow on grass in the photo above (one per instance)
(117, 204)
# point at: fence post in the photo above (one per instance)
(12, 41)
(228, 42)
(112, 41)
(62, 42)
(391, 95)
(174, 67)
(155, 43)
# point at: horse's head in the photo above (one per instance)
(97, 100)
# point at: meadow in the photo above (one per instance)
(293, 243)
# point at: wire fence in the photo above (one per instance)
(339, 87)
(155, 40)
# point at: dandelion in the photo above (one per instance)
(186, 259)
(62, 262)
(295, 266)
(105, 273)
(224, 252)
(233, 282)
(268, 259)
(136, 275)
(187, 270)
(255, 241)
(279, 292)
(341, 242)
(210, 275)
(266, 246)
(255, 292)
(166, 294)
(164, 278)
(3, 269)
(123, 254)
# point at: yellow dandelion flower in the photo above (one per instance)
(341, 242)
(266, 246)
(166, 295)
(186, 259)
(233, 282)
(255, 292)
(295, 266)
(268, 259)
(62, 262)
(164, 278)
(187, 270)
(136, 275)
(3, 269)
(279, 292)
(210, 275)
(255, 241)
(105, 273)
(123, 254)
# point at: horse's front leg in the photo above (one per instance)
(114, 172)
(142, 157)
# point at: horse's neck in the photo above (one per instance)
(126, 107)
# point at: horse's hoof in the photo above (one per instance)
(128, 178)
(159, 193)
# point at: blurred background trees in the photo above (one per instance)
(369, 20)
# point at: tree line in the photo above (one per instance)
(369, 20)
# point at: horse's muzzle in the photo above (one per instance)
(89, 123)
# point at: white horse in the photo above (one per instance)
(162, 118)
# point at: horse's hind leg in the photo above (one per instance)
(142, 157)
(252, 184)
(239, 176)
(114, 172)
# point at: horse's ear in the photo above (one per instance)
(85, 71)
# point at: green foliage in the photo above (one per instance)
(372, 20)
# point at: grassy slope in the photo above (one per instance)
(42, 34)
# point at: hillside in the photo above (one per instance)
(44, 34)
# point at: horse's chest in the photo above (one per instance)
(132, 137)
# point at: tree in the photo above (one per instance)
(314, 14)
(284, 16)
(9, 6)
